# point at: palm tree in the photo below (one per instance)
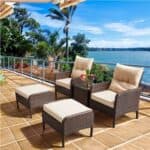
(55, 45)
(79, 45)
(24, 19)
(66, 16)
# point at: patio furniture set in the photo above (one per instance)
(76, 112)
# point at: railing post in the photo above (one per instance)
(31, 67)
(8, 62)
(14, 63)
(22, 65)
(0, 61)
(3, 62)
(43, 68)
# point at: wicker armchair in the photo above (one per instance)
(64, 79)
(121, 95)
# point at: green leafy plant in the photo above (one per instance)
(64, 66)
(102, 73)
(2, 78)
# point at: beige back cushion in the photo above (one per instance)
(81, 64)
(125, 77)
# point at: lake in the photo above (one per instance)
(124, 57)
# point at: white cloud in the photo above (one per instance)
(46, 21)
(128, 30)
(87, 28)
(137, 21)
(31, 8)
(79, 26)
(122, 43)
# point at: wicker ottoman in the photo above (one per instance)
(67, 116)
(34, 95)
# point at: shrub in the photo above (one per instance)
(102, 73)
(64, 66)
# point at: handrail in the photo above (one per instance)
(70, 62)
(136, 65)
(11, 62)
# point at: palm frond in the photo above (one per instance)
(72, 11)
(55, 13)
(55, 17)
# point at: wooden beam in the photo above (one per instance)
(21, 1)
(68, 3)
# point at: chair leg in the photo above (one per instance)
(91, 131)
(114, 122)
(30, 112)
(63, 140)
(43, 125)
(17, 104)
(55, 94)
(137, 114)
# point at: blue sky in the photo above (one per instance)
(120, 23)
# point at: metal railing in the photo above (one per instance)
(46, 70)
(36, 68)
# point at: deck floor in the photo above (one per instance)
(19, 132)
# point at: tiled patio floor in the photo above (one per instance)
(19, 131)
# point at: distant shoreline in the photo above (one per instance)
(119, 49)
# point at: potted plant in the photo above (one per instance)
(102, 73)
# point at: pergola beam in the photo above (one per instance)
(23, 1)
(6, 6)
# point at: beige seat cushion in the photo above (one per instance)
(81, 65)
(106, 97)
(125, 77)
(64, 108)
(66, 82)
(28, 90)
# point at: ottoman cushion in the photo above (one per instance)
(64, 108)
(28, 90)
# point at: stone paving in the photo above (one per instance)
(19, 132)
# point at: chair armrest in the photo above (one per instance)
(100, 86)
(62, 75)
(128, 98)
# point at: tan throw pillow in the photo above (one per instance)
(81, 64)
(118, 86)
(126, 77)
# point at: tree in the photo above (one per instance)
(79, 46)
(42, 50)
(36, 36)
(52, 46)
(12, 42)
(56, 46)
(24, 20)
(65, 15)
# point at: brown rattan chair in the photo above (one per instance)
(64, 79)
(121, 95)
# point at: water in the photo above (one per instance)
(125, 57)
